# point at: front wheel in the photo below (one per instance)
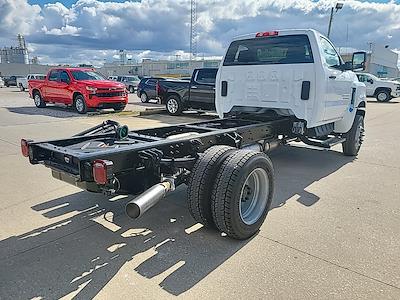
(383, 96)
(131, 89)
(80, 104)
(354, 137)
(174, 105)
(21, 87)
(242, 193)
(119, 108)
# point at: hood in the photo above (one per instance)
(103, 84)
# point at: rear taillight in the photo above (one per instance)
(102, 171)
(24, 147)
(157, 87)
(267, 33)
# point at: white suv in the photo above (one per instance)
(382, 89)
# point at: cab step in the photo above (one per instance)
(327, 143)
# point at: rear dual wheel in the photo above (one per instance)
(201, 181)
(231, 190)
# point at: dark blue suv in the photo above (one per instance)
(146, 88)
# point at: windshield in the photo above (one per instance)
(87, 75)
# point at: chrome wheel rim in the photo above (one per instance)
(382, 96)
(37, 100)
(172, 105)
(79, 104)
(143, 97)
(254, 196)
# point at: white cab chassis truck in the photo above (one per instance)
(272, 88)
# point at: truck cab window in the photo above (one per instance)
(53, 75)
(205, 76)
(151, 82)
(362, 78)
(330, 55)
(64, 77)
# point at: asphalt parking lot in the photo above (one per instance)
(333, 231)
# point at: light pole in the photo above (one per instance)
(338, 6)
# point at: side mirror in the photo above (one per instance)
(65, 80)
(370, 81)
(347, 66)
(358, 61)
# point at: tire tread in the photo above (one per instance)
(223, 189)
(202, 177)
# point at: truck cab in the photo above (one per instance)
(295, 73)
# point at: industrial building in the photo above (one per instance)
(17, 55)
(149, 67)
(381, 61)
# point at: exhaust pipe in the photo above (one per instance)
(142, 203)
(263, 146)
(271, 145)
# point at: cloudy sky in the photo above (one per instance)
(90, 31)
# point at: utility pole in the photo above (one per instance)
(337, 7)
(193, 31)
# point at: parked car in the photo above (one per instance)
(146, 89)
(198, 93)
(113, 78)
(1, 82)
(80, 88)
(131, 82)
(12, 80)
(383, 90)
(22, 82)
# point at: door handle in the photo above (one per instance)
(332, 77)
(193, 87)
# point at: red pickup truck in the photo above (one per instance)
(81, 88)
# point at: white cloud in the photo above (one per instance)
(160, 28)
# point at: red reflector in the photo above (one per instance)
(24, 148)
(267, 33)
(157, 88)
(102, 171)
